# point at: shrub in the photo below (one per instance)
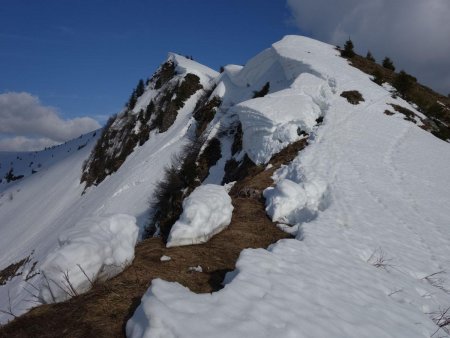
(378, 77)
(388, 64)
(140, 88)
(370, 57)
(10, 177)
(353, 96)
(403, 82)
(204, 113)
(348, 51)
(186, 172)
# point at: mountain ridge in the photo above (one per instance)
(334, 196)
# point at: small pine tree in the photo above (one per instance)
(388, 64)
(132, 100)
(140, 88)
(403, 82)
(378, 77)
(348, 51)
(370, 57)
(9, 176)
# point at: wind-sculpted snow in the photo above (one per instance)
(370, 195)
(206, 212)
(273, 122)
(95, 249)
(295, 203)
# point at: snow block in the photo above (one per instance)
(97, 248)
(206, 212)
(295, 203)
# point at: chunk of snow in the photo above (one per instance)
(98, 248)
(206, 212)
(294, 203)
(197, 268)
(165, 258)
(271, 123)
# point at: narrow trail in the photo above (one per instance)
(104, 311)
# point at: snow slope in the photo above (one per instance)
(367, 199)
(27, 163)
(96, 248)
(46, 205)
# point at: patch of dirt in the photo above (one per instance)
(353, 96)
(409, 114)
(104, 311)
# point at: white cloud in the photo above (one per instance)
(22, 143)
(32, 125)
(414, 33)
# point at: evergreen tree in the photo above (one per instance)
(370, 57)
(348, 51)
(132, 101)
(9, 176)
(388, 64)
(378, 77)
(403, 82)
(140, 88)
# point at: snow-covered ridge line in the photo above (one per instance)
(373, 220)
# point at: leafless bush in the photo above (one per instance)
(442, 320)
(9, 310)
(437, 280)
(379, 260)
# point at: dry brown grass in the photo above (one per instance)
(434, 105)
(104, 311)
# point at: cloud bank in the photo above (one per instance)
(26, 124)
(414, 33)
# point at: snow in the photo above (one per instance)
(50, 202)
(197, 268)
(292, 203)
(25, 163)
(371, 217)
(272, 122)
(95, 249)
(184, 65)
(165, 258)
(367, 201)
(206, 212)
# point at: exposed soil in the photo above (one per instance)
(104, 311)
(353, 96)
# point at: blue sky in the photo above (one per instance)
(84, 57)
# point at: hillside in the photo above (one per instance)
(340, 221)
